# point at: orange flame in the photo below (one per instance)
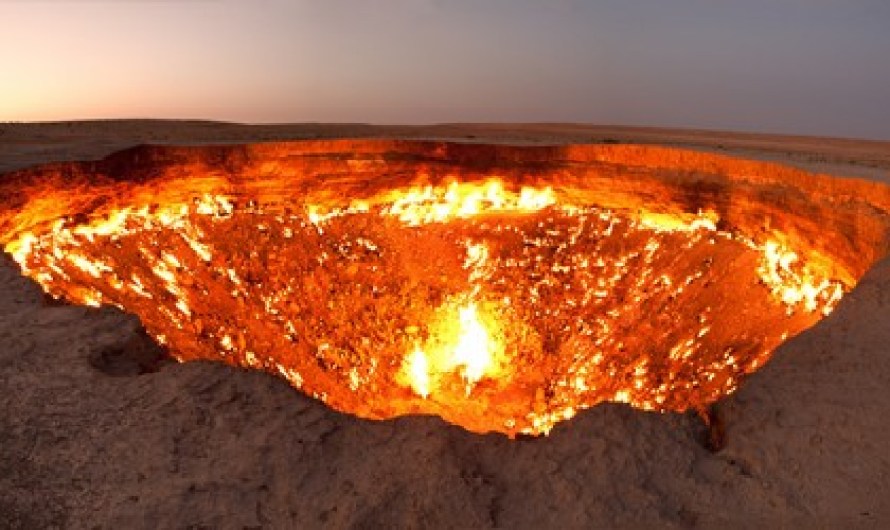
(461, 343)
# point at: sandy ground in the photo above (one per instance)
(96, 432)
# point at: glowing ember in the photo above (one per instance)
(496, 306)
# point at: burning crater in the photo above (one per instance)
(501, 288)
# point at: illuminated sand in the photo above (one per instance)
(500, 288)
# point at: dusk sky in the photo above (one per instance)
(795, 66)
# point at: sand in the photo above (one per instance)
(97, 432)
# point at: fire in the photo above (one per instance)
(496, 306)
(416, 372)
(436, 204)
(461, 344)
(796, 285)
(679, 222)
(474, 347)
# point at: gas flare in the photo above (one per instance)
(461, 344)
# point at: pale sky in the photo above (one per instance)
(795, 66)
